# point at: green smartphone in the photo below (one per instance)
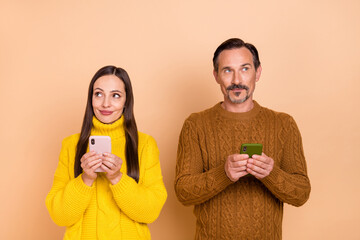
(251, 148)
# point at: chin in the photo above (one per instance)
(105, 120)
(238, 100)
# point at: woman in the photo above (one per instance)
(118, 202)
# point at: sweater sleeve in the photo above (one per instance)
(194, 185)
(68, 198)
(142, 201)
(288, 180)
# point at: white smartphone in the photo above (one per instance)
(100, 144)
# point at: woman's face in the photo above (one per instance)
(108, 98)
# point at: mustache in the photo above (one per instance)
(237, 86)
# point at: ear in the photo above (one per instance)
(215, 73)
(258, 73)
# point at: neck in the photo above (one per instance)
(238, 107)
(114, 130)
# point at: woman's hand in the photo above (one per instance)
(111, 164)
(90, 161)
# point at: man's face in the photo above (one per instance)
(236, 75)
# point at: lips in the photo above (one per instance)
(106, 113)
(236, 90)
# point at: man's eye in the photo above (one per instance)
(245, 69)
(227, 70)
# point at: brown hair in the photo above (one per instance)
(236, 43)
(131, 134)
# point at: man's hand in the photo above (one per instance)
(235, 166)
(260, 166)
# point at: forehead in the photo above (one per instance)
(235, 57)
(109, 82)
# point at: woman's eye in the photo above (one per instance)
(116, 95)
(98, 94)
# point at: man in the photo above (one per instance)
(235, 196)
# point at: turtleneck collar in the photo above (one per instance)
(114, 130)
(239, 116)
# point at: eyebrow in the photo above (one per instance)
(110, 91)
(116, 91)
(242, 65)
(245, 64)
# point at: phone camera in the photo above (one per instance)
(92, 141)
(244, 149)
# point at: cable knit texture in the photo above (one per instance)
(249, 208)
(106, 211)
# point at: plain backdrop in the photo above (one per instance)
(49, 51)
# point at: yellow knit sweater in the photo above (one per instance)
(106, 211)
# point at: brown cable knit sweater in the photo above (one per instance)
(249, 208)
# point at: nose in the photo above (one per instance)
(236, 78)
(106, 102)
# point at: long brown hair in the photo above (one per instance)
(131, 134)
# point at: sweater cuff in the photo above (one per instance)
(81, 187)
(221, 178)
(273, 177)
(119, 188)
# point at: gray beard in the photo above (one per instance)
(238, 101)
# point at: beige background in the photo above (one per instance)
(49, 50)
